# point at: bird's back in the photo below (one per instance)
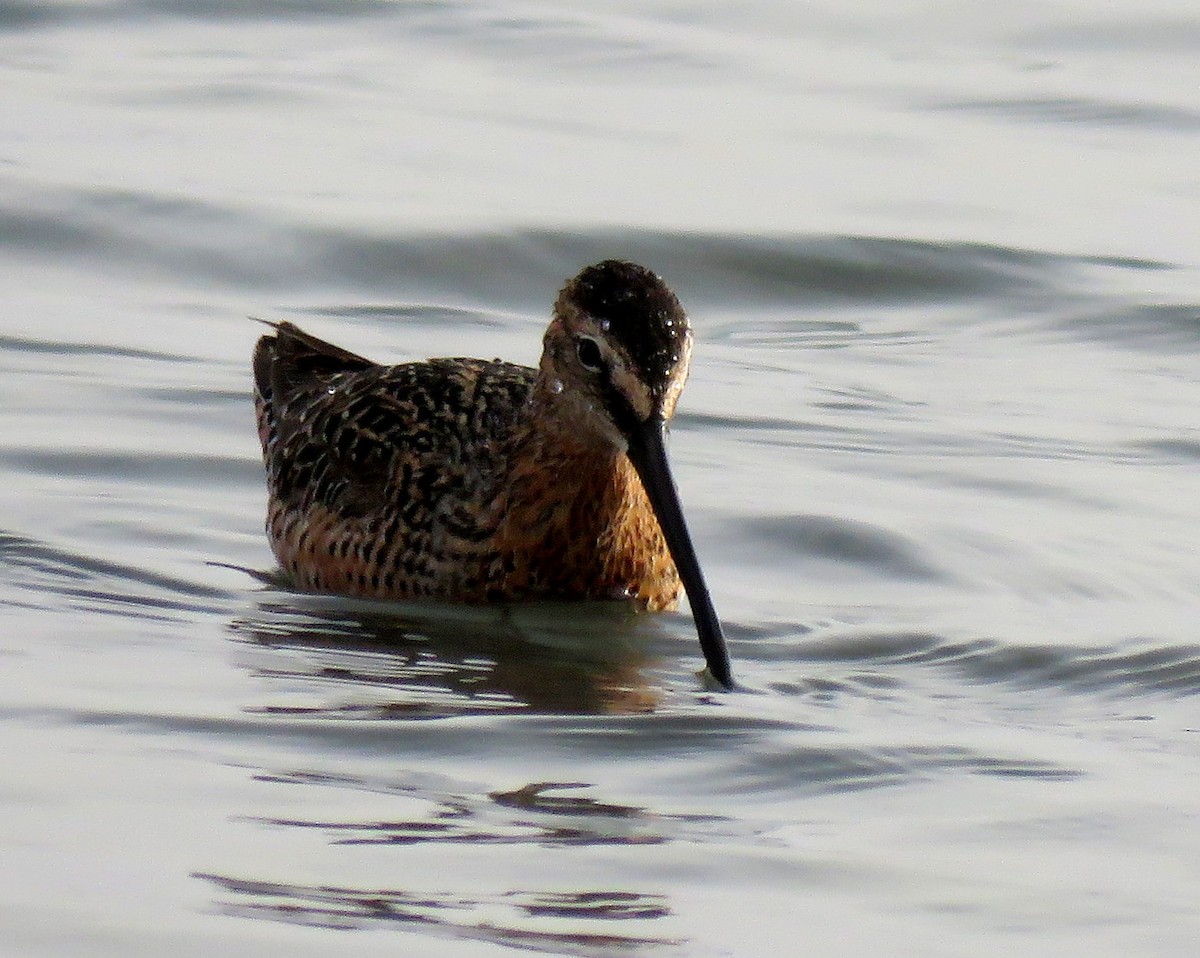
(383, 479)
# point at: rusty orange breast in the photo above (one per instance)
(577, 523)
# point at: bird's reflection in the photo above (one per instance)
(588, 922)
(338, 657)
(509, 919)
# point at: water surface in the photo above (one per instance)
(939, 454)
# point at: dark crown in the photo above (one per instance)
(638, 310)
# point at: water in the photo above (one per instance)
(939, 454)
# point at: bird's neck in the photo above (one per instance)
(576, 520)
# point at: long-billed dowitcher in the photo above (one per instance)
(478, 481)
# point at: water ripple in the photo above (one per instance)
(522, 268)
(519, 918)
(49, 575)
(1133, 668)
(1083, 110)
(869, 548)
(547, 814)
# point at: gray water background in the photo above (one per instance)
(939, 454)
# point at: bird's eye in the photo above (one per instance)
(589, 354)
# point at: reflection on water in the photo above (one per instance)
(333, 658)
(545, 815)
(518, 919)
(413, 660)
(535, 814)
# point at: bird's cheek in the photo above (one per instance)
(634, 393)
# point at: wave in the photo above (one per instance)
(42, 576)
(1136, 668)
(201, 240)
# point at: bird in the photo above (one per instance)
(480, 481)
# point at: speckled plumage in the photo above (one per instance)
(476, 481)
(449, 478)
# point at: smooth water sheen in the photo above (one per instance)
(939, 454)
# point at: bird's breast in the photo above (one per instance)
(580, 525)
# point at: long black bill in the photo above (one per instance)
(648, 454)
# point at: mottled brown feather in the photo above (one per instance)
(459, 479)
